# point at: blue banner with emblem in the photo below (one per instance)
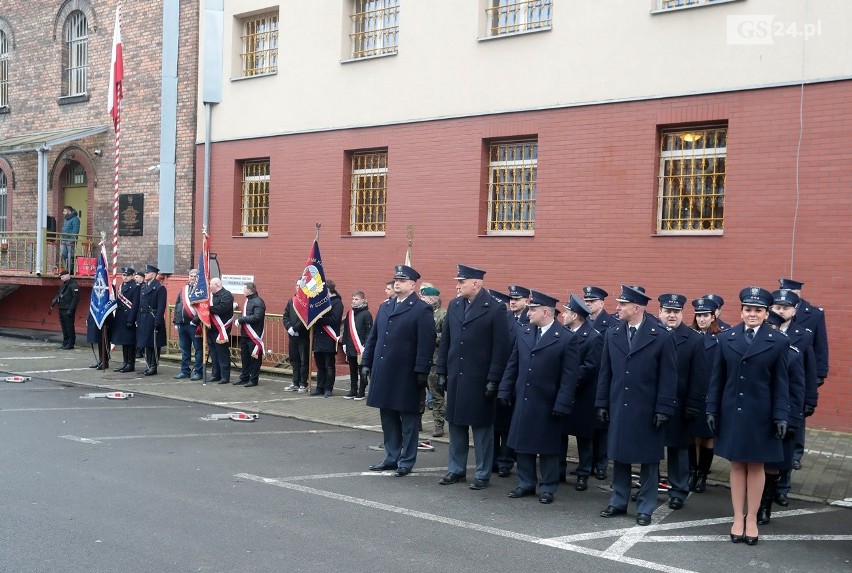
(312, 298)
(103, 297)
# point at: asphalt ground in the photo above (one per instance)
(150, 484)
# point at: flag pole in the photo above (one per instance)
(117, 158)
(204, 328)
(311, 335)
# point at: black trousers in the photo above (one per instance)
(66, 320)
(299, 359)
(220, 356)
(251, 365)
(325, 370)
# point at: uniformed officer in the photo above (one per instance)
(124, 328)
(99, 337)
(748, 406)
(67, 298)
(812, 317)
(637, 394)
(581, 423)
(397, 359)
(594, 298)
(701, 451)
(785, 304)
(519, 297)
(471, 360)
(720, 302)
(151, 320)
(541, 379)
(692, 380)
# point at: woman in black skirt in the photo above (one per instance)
(701, 438)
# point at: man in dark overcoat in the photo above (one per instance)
(252, 349)
(692, 378)
(601, 320)
(471, 359)
(151, 320)
(581, 423)
(397, 358)
(326, 333)
(541, 379)
(637, 394)
(124, 327)
(219, 334)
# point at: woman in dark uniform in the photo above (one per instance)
(701, 452)
(748, 406)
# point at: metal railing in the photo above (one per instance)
(18, 252)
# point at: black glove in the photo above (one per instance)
(442, 383)
(128, 324)
(603, 416)
(691, 414)
(490, 390)
(365, 372)
(791, 431)
(809, 410)
(660, 420)
(780, 429)
(820, 382)
(506, 402)
(712, 424)
(557, 415)
(422, 379)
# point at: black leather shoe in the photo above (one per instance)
(195, 377)
(781, 499)
(215, 379)
(150, 372)
(451, 478)
(519, 492)
(180, 376)
(240, 382)
(643, 519)
(129, 368)
(600, 474)
(224, 381)
(545, 498)
(612, 511)
(582, 483)
(750, 540)
(382, 467)
(95, 365)
(796, 466)
(504, 472)
(401, 472)
(676, 503)
(478, 484)
(120, 368)
(251, 384)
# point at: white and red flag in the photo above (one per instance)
(116, 71)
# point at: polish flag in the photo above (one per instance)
(116, 71)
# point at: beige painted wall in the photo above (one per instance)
(597, 51)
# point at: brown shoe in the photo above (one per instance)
(439, 430)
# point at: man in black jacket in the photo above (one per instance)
(219, 335)
(251, 325)
(326, 332)
(67, 299)
(299, 343)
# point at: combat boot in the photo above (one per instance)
(439, 430)
(764, 513)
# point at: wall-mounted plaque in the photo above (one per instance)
(131, 210)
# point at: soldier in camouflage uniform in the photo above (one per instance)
(431, 295)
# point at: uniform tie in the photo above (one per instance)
(537, 335)
(631, 332)
(749, 335)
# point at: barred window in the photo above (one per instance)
(513, 16)
(3, 194)
(260, 45)
(663, 5)
(369, 193)
(254, 212)
(76, 54)
(691, 195)
(375, 28)
(4, 70)
(513, 169)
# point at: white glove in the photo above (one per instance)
(291, 332)
(344, 349)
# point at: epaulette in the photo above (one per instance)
(795, 349)
(809, 330)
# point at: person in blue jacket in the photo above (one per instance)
(748, 406)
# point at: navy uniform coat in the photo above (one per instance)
(796, 379)
(474, 350)
(692, 381)
(634, 385)
(801, 339)
(749, 390)
(540, 378)
(698, 428)
(813, 317)
(399, 346)
(122, 333)
(152, 314)
(603, 321)
(582, 421)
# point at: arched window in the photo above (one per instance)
(75, 54)
(3, 203)
(4, 69)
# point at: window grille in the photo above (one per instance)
(513, 16)
(260, 45)
(675, 4)
(691, 195)
(513, 169)
(3, 195)
(369, 191)
(77, 54)
(254, 215)
(375, 25)
(75, 175)
(4, 70)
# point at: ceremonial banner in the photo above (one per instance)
(200, 295)
(103, 298)
(312, 299)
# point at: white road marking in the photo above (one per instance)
(634, 535)
(99, 439)
(79, 439)
(726, 539)
(254, 402)
(418, 471)
(26, 357)
(54, 371)
(828, 454)
(4, 410)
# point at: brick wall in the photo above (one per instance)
(595, 211)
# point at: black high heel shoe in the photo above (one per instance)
(740, 537)
(750, 541)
